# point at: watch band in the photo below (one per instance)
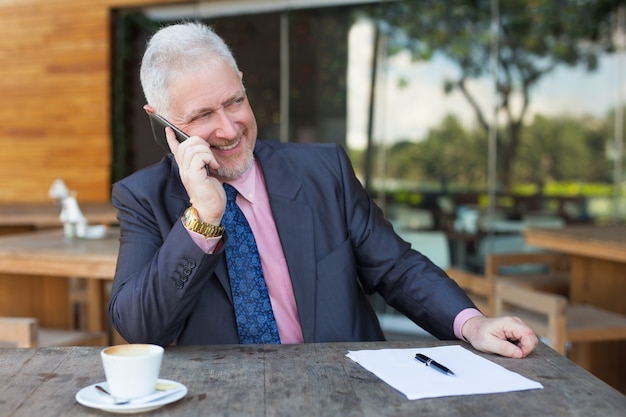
(192, 222)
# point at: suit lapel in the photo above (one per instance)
(294, 223)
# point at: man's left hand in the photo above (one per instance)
(506, 336)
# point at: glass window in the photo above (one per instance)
(408, 87)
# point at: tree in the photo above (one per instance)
(534, 37)
(450, 154)
(559, 149)
(401, 162)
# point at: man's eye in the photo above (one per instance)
(239, 100)
(235, 103)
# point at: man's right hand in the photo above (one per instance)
(194, 159)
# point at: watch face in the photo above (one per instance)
(190, 214)
(192, 222)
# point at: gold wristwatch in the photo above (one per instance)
(192, 222)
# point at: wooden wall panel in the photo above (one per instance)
(55, 97)
(45, 298)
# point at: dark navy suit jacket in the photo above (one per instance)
(337, 244)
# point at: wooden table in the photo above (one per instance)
(598, 277)
(20, 217)
(47, 253)
(295, 380)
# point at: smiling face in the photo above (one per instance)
(210, 102)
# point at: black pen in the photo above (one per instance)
(435, 365)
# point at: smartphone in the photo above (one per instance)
(158, 124)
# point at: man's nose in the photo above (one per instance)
(226, 126)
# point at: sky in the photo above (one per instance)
(411, 111)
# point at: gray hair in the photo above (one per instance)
(177, 49)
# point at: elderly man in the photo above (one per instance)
(233, 240)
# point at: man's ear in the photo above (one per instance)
(149, 109)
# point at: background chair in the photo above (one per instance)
(18, 332)
(544, 271)
(497, 244)
(552, 317)
(24, 332)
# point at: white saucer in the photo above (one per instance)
(90, 397)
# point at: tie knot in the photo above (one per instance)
(231, 192)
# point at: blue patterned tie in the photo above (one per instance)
(253, 310)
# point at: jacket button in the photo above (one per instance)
(180, 285)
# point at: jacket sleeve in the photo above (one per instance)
(160, 270)
(406, 279)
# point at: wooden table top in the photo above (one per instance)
(601, 242)
(47, 252)
(43, 215)
(295, 380)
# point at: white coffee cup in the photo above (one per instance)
(132, 370)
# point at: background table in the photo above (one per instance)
(295, 380)
(35, 267)
(598, 277)
(20, 217)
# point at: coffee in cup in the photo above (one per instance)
(132, 370)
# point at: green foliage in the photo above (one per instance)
(563, 148)
(560, 156)
(451, 154)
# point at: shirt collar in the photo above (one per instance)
(246, 183)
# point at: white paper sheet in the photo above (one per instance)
(474, 374)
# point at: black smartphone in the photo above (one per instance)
(158, 124)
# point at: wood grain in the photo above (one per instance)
(55, 108)
(290, 380)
